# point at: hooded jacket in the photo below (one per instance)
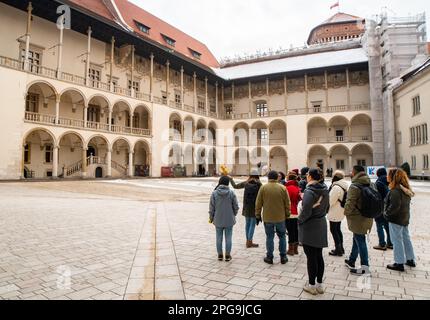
(382, 186)
(251, 187)
(356, 222)
(312, 220)
(398, 205)
(294, 193)
(223, 207)
(336, 213)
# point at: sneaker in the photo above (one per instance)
(411, 263)
(268, 260)
(364, 270)
(220, 257)
(284, 259)
(396, 267)
(310, 289)
(380, 248)
(349, 264)
(228, 257)
(320, 288)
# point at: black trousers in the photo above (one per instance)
(293, 231)
(315, 264)
(336, 232)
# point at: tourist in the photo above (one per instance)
(313, 229)
(251, 186)
(338, 193)
(381, 222)
(398, 213)
(281, 178)
(222, 213)
(358, 224)
(273, 207)
(293, 233)
(303, 179)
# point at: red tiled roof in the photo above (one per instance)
(96, 6)
(342, 17)
(132, 13)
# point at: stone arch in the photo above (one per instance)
(278, 159)
(142, 158)
(71, 154)
(361, 128)
(362, 154)
(317, 130)
(318, 156)
(241, 166)
(339, 158)
(278, 132)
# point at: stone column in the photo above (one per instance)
(327, 163)
(216, 100)
(57, 109)
(306, 93)
(85, 115)
(112, 62)
(350, 161)
(84, 163)
(182, 88)
(28, 36)
(326, 90)
(267, 87)
(130, 164)
(167, 82)
(132, 71)
(60, 50)
(23, 161)
(151, 80)
(55, 163)
(87, 62)
(348, 90)
(222, 99)
(232, 96)
(286, 94)
(195, 92)
(206, 97)
(110, 120)
(109, 163)
(250, 99)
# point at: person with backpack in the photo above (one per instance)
(273, 207)
(398, 213)
(303, 179)
(381, 222)
(363, 204)
(292, 227)
(251, 186)
(223, 209)
(312, 224)
(336, 213)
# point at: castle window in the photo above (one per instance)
(196, 54)
(142, 27)
(171, 42)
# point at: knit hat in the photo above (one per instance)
(292, 175)
(296, 171)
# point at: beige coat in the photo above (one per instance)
(336, 213)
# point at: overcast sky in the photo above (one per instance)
(230, 27)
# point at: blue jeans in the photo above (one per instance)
(250, 228)
(359, 247)
(403, 249)
(381, 225)
(281, 230)
(220, 233)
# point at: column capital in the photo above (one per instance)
(30, 7)
(182, 68)
(206, 79)
(216, 84)
(57, 98)
(194, 75)
(151, 56)
(167, 63)
(89, 30)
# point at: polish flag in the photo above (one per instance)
(334, 5)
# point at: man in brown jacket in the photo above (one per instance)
(274, 202)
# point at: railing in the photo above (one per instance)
(44, 71)
(122, 91)
(95, 160)
(97, 126)
(201, 111)
(277, 113)
(39, 118)
(74, 123)
(72, 78)
(119, 167)
(280, 142)
(141, 132)
(11, 63)
(241, 116)
(343, 139)
(72, 169)
(143, 96)
(188, 108)
(158, 100)
(120, 129)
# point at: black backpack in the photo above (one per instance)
(372, 204)
(345, 196)
(251, 193)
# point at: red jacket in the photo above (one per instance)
(294, 193)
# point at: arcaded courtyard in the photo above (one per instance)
(150, 239)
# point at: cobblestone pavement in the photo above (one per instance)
(150, 239)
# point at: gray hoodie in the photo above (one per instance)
(223, 207)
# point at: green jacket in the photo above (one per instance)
(273, 200)
(356, 222)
